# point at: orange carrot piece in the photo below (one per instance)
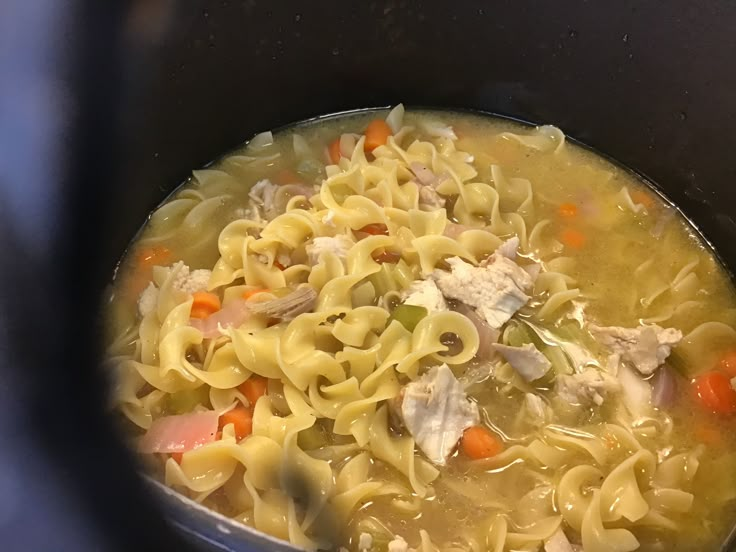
(574, 239)
(727, 363)
(376, 134)
(242, 420)
(376, 229)
(568, 210)
(708, 435)
(714, 391)
(478, 442)
(387, 257)
(286, 176)
(254, 388)
(638, 196)
(333, 151)
(204, 304)
(145, 259)
(154, 256)
(251, 292)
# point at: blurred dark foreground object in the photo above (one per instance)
(106, 106)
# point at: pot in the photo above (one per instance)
(157, 89)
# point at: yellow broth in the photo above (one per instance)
(630, 268)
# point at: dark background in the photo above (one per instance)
(106, 106)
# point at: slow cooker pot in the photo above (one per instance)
(157, 88)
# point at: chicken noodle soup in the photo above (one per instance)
(431, 331)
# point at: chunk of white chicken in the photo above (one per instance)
(186, 280)
(148, 300)
(496, 290)
(365, 541)
(509, 248)
(190, 281)
(436, 411)
(645, 347)
(538, 412)
(586, 387)
(288, 307)
(558, 543)
(429, 199)
(263, 193)
(339, 245)
(398, 544)
(425, 293)
(527, 360)
(268, 200)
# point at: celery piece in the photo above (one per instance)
(185, 401)
(403, 274)
(408, 316)
(383, 281)
(312, 438)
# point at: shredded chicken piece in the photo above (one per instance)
(436, 411)
(590, 385)
(148, 300)
(398, 545)
(339, 245)
(537, 410)
(496, 290)
(425, 293)
(190, 281)
(297, 302)
(509, 248)
(365, 541)
(558, 543)
(646, 347)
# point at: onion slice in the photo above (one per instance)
(664, 387)
(487, 336)
(232, 315)
(180, 433)
(453, 230)
(424, 175)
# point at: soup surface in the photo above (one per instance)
(437, 331)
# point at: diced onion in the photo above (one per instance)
(664, 387)
(180, 433)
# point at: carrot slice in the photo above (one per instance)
(145, 259)
(478, 442)
(376, 134)
(727, 363)
(204, 304)
(333, 151)
(242, 420)
(157, 255)
(568, 210)
(638, 196)
(376, 229)
(251, 292)
(574, 239)
(708, 435)
(387, 257)
(286, 176)
(714, 391)
(254, 388)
